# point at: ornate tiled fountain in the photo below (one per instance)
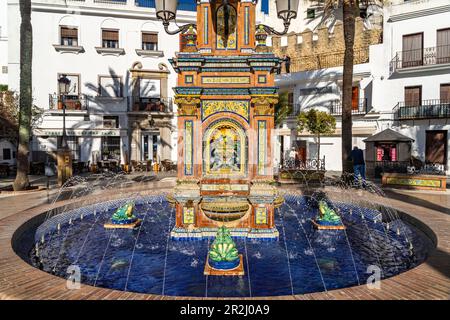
(226, 97)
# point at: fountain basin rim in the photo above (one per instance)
(20, 223)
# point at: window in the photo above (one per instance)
(443, 46)
(150, 41)
(4, 69)
(110, 122)
(189, 79)
(413, 96)
(110, 86)
(6, 154)
(386, 152)
(110, 38)
(111, 148)
(412, 50)
(445, 93)
(69, 36)
(310, 13)
(262, 79)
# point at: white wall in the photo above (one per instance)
(3, 41)
(404, 19)
(89, 17)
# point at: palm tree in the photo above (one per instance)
(25, 100)
(349, 10)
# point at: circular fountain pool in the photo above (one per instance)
(303, 260)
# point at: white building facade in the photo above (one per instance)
(411, 77)
(3, 43)
(114, 53)
(404, 86)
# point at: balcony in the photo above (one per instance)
(72, 102)
(431, 58)
(359, 107)
(333, 106)
(428, 109)
(152, 105)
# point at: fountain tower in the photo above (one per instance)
(226, 100)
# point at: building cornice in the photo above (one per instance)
(418, 13)
(119, 12)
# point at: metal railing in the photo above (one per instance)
(140, 104)
(323, 61)
(357, 109)
(334, 107)
(186, 5)
(119, 2)
(427, 109)
(420, 57)
(306, 164)
(72, 102)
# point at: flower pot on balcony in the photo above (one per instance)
(78, 105)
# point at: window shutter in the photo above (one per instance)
(111, 35)
(445, 92)
(149, 37)
(69, 32)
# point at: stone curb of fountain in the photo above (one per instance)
(19, 280)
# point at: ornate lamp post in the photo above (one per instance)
(226, 98)
(64, 155)
(166, 10)
(64, 89)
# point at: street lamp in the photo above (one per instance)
(166, 10)
(286, 10)
(64, 89)
(64, 155)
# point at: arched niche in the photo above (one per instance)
(225, 149)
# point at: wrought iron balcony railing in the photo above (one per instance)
(72, 102)
(359, 107)
(426, 109)
(420, 57)
(334, 107)
(139, 104)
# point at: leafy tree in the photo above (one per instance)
(25, 99)
(318, 123)
(282, 108)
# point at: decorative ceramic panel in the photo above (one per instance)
(260, 215)
(225, 149)
(414, 182)
(188, 216)
(226, 80)
(210, 107)
(246, 25)
(224, 187)
(262, 142)
(205, 25)
(188, 147)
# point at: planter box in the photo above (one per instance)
(417, 182)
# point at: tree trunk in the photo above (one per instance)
(349, 10)
(25, 99)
